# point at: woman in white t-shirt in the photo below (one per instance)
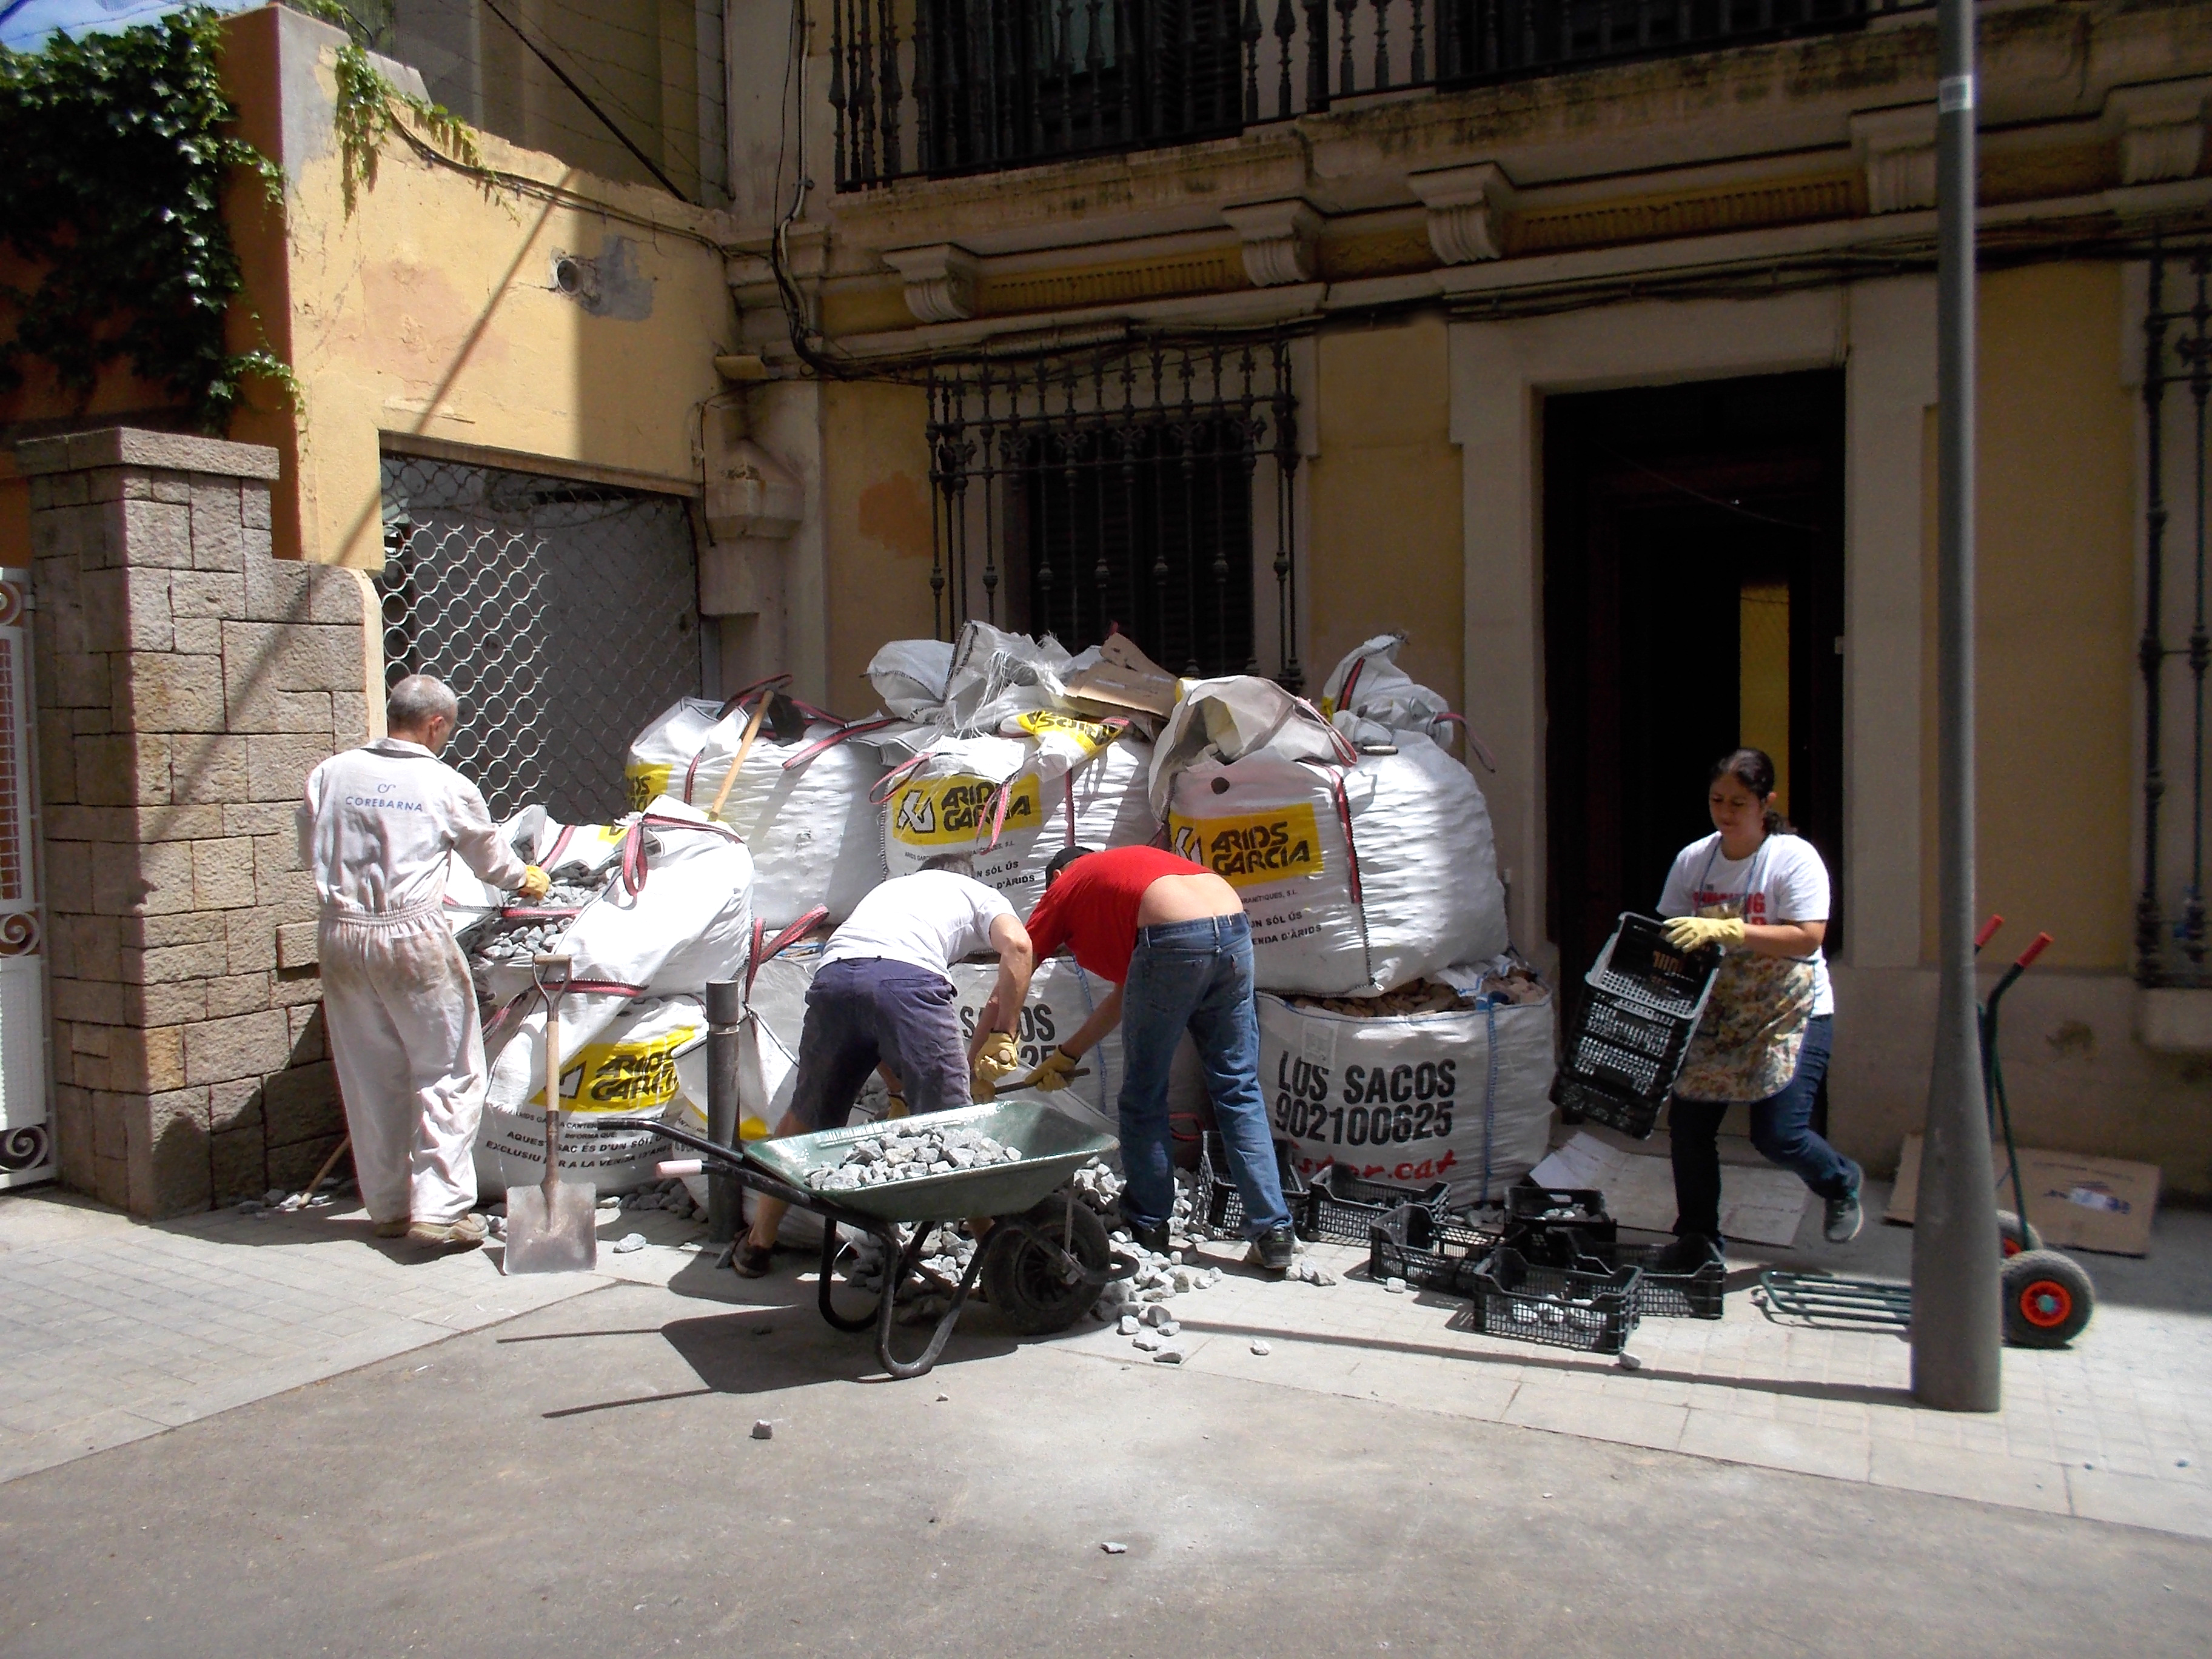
(1760, 892)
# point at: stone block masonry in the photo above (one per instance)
(186, 683)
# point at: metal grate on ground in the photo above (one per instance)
(564, 615)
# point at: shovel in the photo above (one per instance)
(553, 1227)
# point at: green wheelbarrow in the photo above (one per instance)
(1041, 1264)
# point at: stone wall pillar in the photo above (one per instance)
(186, 684)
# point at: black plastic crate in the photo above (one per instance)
(1425, 1248)
(1639, 965)
(1560, 1307)
(1220, 1207)
(1578, 1210)
(1345, 1206)
(1635, 1116)
(1665, 1295)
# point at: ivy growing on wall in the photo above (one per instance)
(368, 107)
(114, 153)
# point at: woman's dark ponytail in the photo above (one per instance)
(1755, 770)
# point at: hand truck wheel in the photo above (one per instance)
(2048, 1299)
(2014, 1235)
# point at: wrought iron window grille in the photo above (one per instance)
(936, 87)
(564, 614)
(1150, 491)
(2170, 909)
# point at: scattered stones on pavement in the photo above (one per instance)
(1396, 1286)
(1628, 1362)
(1168, 1356)
(764, 1430)
(668, 1196)
(1304, 1270)
(1261, 1348)
(628, 1243)
(1129, 1326)
(1113, 1548)
(1148, 1342)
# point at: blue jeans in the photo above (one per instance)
(1781, 1128)
(1194, 976)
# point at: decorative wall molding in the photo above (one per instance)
(2162, 130)
(1279, 239)
(1466, 211)
(1897, 148)
(940, 281)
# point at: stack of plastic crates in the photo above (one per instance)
(1220, 1207)
(1663, 1293)
(1593, 1310)
(1640, 1005)
(1346, 1207)
(1426, 1248)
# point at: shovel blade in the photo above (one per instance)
(554, 1233)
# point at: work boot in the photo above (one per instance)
(1274, 1249)
(464, 1234)
(1152, 1235)
(390, 1228)
(1842, 1223)
(1687, 1255)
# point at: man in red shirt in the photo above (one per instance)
(1172, 937)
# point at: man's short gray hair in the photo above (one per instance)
(418, 699)
(958, 863)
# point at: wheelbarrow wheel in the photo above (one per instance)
(1024, 1281)
(2048, 1299)
(2014, 1235)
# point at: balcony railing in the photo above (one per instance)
(936, 87)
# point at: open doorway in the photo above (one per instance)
(1693, 601)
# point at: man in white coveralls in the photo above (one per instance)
(376, 828)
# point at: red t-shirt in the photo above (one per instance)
(1093, 907)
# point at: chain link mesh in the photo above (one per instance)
(564, 616)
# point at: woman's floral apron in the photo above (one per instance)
(1746, 1046)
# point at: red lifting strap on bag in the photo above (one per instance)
(854, 729)
(782, 942)
(1344, 818)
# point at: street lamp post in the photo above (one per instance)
(1957, 1363)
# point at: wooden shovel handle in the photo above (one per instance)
(760, 714)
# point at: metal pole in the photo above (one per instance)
(725, 1012)
(1957, 1362)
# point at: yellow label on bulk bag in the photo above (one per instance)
(647, 785)
(957, 810)
(1252, 849)
(622, 1077)
(1091, 735)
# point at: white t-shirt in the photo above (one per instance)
(1784, 881)
(931, 920)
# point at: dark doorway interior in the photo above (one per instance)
(1693, 599)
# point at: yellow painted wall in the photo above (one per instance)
(2055, 606)
(431, 313)
(1383, 542)
(876, 500)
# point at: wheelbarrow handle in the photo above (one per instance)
(2036, 947)
(1988, 931)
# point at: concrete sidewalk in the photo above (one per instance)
(112, 1331)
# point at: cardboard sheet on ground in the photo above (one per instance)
(1759, 1206)
(2077, 1202)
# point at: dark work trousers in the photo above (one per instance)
(1781, 1128)
(860, 1011)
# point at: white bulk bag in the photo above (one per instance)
(1061, 997)
(677, 915)
(803, 807)
(1464, 1096)
(1357, 878)
(949, 801)
(627, 1069)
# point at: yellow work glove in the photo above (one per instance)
(535, 882)
(1702, 933)
(994, 1060)
(1052, 1074)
